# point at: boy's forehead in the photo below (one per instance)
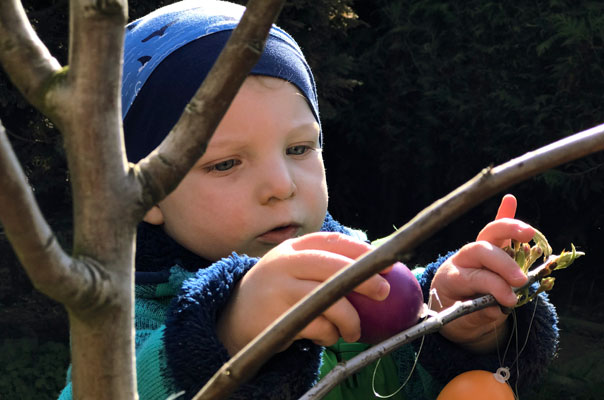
(265, 104)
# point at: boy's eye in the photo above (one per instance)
(224, 165)
(297, 150)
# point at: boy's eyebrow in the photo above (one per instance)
(307, 126)
(240, 142)
(219, 143)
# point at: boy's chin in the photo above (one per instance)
(260, 251)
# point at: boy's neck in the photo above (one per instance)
(157, 251)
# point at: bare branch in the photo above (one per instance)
(163, 169)
(26, 60)
(246, 363)
(79, 284)
(430, 325)
(35, 244)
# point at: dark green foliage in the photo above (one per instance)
(32, 370)
(449, 88)
(320, 27)
(577, 374)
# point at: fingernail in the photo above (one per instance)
(384, 290)
(519, 280)
(521, 276)
(524, 227)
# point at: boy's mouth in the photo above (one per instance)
(280, 234)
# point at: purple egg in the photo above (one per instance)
(399, 311)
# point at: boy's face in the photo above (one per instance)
(260, 182)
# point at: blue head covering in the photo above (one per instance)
(168, 54)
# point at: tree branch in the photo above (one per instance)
(161, 171)
(36, 246)
(26, 60)
(246, 363)
(430, 325)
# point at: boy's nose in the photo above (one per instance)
(277, 183)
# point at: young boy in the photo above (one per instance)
(247, 234)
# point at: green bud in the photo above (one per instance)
(566, 258)
(542, 242)
(523, 298)
(546, 284)
(520, 259)
(534, 254)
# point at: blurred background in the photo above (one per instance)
(417, 96)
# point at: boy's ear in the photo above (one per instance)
(154, 216)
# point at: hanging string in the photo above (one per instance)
(502, 374)
(514, 335)
(433, 294)
(528, 332)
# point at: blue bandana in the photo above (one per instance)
(169, 52)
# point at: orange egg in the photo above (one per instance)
(477, 385)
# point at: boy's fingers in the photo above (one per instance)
(484, 256)
(341, 315)
(483, 281)
(507, 208)
(319, 265)
(333, 243)
(320, 331)
(499, 232)
(494, 312)
(483, 318)
(345, 317)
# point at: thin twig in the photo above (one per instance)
(490, 181)
(24, 57)
(30, 235)
(430, 325)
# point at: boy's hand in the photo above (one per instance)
(285, 275)
(479, 268)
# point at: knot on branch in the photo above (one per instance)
(195, 106)
(8, 44)
(105, 7)
(148, 193)
(95, 289)
(256, 46)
